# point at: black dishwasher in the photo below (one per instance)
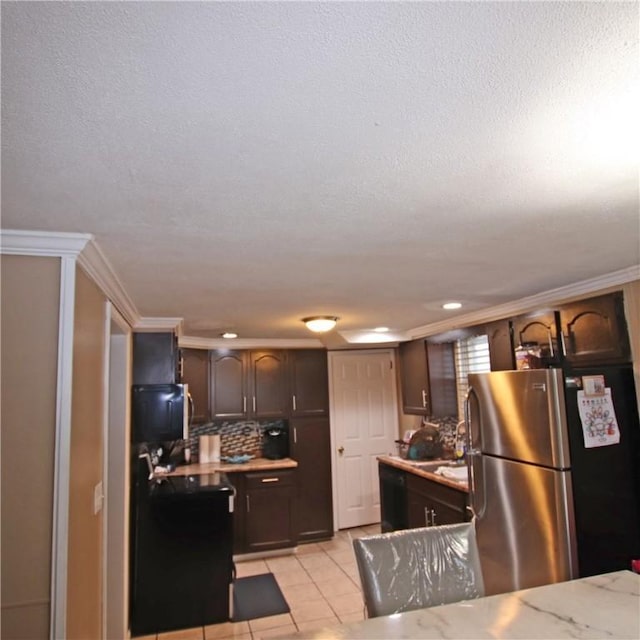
(182, 563)
(393, 499)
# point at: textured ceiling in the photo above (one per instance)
(243, 165)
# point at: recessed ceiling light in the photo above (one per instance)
(229, 334)
(451, 305)
(381, 329)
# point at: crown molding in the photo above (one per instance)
(530, 303)
(53, 244)
(99, 269)
(151, 325)
(194, 342)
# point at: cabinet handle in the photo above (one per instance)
(270, 480)
(425, 399)
(564, 347)
(244, 404)
(295, 436)
(433, 517)
(248, 504)
(426, 517)
(254, 404)
(294, 403)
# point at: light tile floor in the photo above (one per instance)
(320, 583)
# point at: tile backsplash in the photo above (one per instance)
(236, 436)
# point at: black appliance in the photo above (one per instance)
(275, 443)
(159, 412)
(394, 513)
(182, 551)
(606, 480)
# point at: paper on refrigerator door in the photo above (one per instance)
(598, 417)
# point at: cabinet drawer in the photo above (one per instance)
(266, 479)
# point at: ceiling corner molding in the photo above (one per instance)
(99, 269)
(531, 303)
(195, 342)
(151, 325)
(43, 243)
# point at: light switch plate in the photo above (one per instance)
(98, 498)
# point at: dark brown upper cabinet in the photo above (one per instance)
(428, 380)
(539, 327)
(195, 373)
(594, 331)
(155, 358)
(248, 384)
(308, 383)
(501, 350)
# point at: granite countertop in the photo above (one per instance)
(256, 464)
(605, 606)
(408, 465)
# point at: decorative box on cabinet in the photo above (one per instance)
(310, 446)
(428, 381)
(594, 331)
(248, 384)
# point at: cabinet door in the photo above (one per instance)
(309, 382)
(310, 446)
(195, 373)
(431, 503)
(501, 350)
(268, 384)
(595, 331)
(539, 327)
(228, 378)
(442, 379)
(414, 378)
(155, 358)
(269, 519)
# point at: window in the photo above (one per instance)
(471, 356)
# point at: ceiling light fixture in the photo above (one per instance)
(381, 329)
(229, 335)
(451, 305)
(320, 324)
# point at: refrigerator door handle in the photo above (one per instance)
(472, 455)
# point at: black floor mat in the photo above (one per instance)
(257, 597)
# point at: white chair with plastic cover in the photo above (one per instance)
(417, 568)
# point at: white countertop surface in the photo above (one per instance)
(606, 606)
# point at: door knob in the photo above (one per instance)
(340, 450)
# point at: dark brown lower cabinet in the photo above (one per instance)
(264, 510)
(310, 446)
(430, 503)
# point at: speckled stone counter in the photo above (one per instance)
(606, 606)
(257, 464)
(406, 465)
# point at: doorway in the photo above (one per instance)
(115, 613)
(364, 425)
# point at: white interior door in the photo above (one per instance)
(364, 425)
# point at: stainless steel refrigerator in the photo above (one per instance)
(548, 509)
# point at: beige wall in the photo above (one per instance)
(84, 588)
(30, 304)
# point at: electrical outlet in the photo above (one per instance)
(98, 498)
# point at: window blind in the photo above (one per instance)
(471, 356)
